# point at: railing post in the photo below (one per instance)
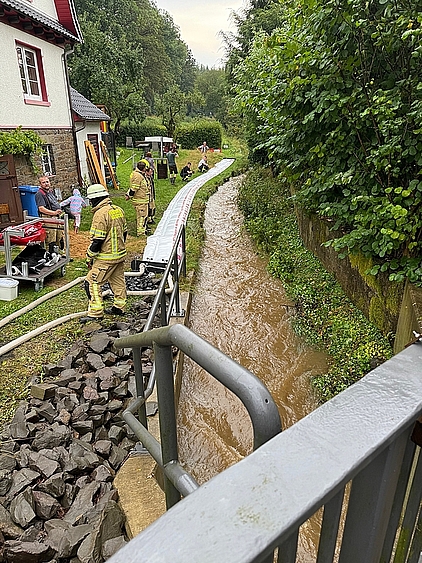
(184, 252)
(163, 307)
(139, 380)
(370, 503)
(177, 312)
(168, 430)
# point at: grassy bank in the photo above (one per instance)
(28, 359)
(325, 317)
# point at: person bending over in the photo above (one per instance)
(203, 164)
(186, 172)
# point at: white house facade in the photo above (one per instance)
(35, 37)
(90, 123)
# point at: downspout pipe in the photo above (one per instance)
(66, 53)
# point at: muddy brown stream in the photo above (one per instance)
(245, 313)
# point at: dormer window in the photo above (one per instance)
(31, 74)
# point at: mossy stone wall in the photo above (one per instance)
(377, 297)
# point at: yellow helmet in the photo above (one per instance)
(145, 161)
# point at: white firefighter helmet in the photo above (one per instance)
(96, 190)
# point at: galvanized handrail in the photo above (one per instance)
(174, 270)
(244, 384)
(176, 267)
(361, 437)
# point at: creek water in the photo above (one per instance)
(245, 313)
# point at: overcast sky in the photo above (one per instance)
(200, 23)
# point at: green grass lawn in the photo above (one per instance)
(27, 360)
(164, 190)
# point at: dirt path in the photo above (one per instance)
(79, 242)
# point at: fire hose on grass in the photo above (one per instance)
(40, 300)
(52, 324)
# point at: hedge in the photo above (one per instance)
(192, 134)
(138, 131)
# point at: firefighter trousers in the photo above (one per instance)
(141, 218)
(100, 273)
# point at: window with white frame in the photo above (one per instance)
(31, 73)
(47, 159)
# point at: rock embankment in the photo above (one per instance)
(62, 449)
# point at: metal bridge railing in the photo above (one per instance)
(360, 441)
(173, 270)
(250, 390)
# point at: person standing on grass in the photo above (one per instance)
(138, 193)
(171, 159)
(76, 203)
(105, 256)
(151, 203)
(150, 160)
(204, 148)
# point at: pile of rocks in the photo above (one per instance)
(147, 281)
(62, 449)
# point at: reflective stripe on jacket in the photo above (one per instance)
(138, 184)
(109, 225)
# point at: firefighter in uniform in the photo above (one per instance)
(106, 254)
(138, 193)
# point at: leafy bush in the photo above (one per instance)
(150, 127)
(20, 142)
(193, 133)
(334, 99)
(325, 317)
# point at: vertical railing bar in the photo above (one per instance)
(139, 381)
(183, 260)
(175, 295)
(161, 288)
(182, 266)
(393, 524)
(163, 314)
(171, 303)
(168, 429)
(410, 514)
(369, 507)
(416, 546)
(176, 285)
(288, 549)
(329, 528)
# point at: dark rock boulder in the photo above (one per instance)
(16, 551)
(61, 451)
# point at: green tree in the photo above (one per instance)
(211, 83)
(335, 100)
(131, 53)
(105, 71)
(261, 16)
(171, 106)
